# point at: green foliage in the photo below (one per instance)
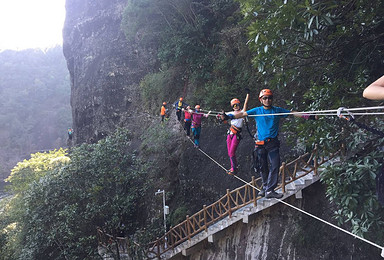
(178, 215)
(285, 37)
(28, 171)
(57, 215)
(159, 87)
(157, 140)
(200, 50)
(351, 184)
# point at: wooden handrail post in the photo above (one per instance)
(172, 237)
(188, 228)
(316, 163)
(205, 217)
(254, 191)
(283, 177)
(158, 254)
(229, 203)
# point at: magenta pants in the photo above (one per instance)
(232, 143)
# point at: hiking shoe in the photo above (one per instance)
(261, 193)
(231, 172)
(273, 195)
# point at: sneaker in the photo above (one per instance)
(273, 195)
(261, 193)
(231, 172)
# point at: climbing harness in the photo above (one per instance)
(235, 130)
(255, 157)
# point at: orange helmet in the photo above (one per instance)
(265, 92)
(164, 103)
(197, 107)
(235, 101)
(181, 99)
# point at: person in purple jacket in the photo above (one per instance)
(196, 124)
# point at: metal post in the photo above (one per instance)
(164, 213)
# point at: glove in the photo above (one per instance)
(248, 91)
(218, 117)
(309, 117)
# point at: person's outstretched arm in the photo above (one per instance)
(375, 91)
(246, 101)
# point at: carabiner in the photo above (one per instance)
(342, 109)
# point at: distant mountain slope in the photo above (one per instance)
(34, 103)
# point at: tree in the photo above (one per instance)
(58, 212)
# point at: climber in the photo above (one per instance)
(70, 133)
(179, 105)
(196, 124)
(187, 120)
(163, 111)
(267, 144)
(234, 132)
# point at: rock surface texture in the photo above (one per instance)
(104, 69)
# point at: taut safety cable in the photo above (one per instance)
(331, 112)
(298, 209)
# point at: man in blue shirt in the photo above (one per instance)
(268, 145)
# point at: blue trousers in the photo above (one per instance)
(269, 159)
(196, 135)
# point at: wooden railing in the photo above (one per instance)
(232, 201)
(112, 245)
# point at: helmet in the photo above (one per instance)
(265, 92)
(181, 99)
(234, 101)
(164, 103)
(197, 107)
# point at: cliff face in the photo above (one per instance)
(103, 68)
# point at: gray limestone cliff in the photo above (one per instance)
(104, 69)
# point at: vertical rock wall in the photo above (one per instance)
(103, 66)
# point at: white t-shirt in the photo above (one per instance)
(238, 122)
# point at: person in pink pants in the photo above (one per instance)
(233, 136)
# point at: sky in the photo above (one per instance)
(28, 24)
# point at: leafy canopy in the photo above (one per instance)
(56, 215)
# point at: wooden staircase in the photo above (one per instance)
(237, 205)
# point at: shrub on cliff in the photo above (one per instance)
(58, 213)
